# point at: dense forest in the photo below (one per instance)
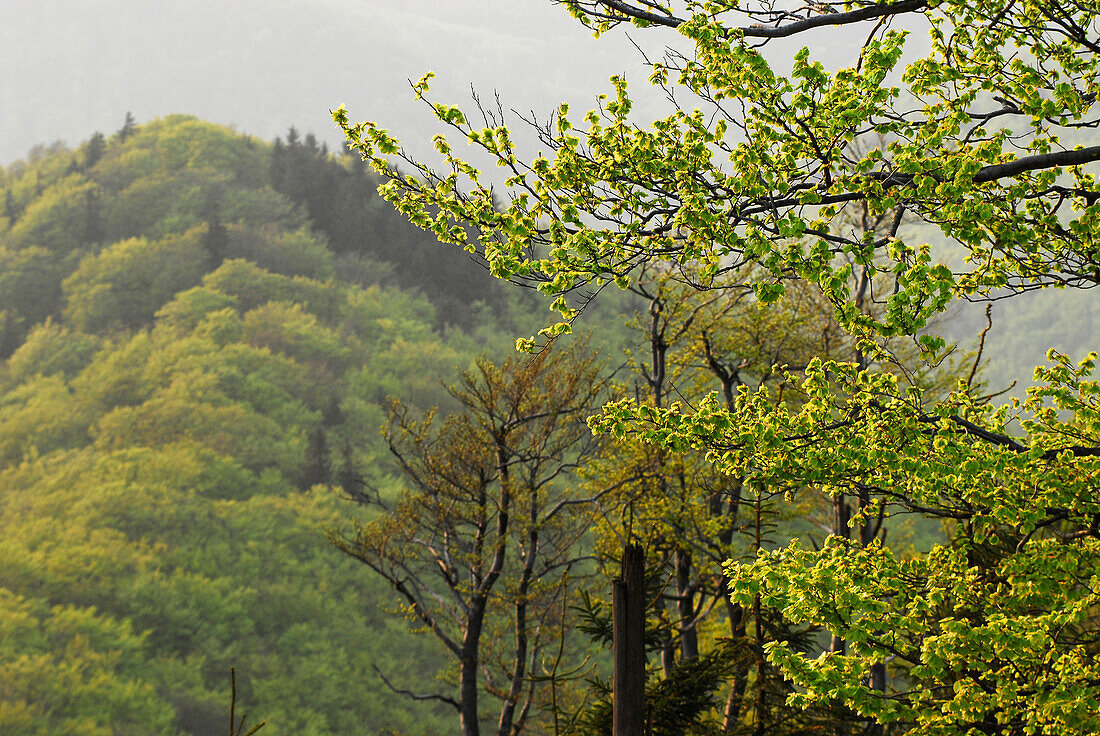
(757, 397)
(201, 335)
(199, 331)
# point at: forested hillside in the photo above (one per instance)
(198, 330)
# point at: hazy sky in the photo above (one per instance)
(72, 67)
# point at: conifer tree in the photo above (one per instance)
(94, 150)
(129, 125)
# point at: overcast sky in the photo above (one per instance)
(72, 67)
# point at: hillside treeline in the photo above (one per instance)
(198, 332)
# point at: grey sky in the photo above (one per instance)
(72, 67)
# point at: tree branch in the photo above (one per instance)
(1076, 157)
(984, 175)
(869, 12)
(415, 696)
(670, 21)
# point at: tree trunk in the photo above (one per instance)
(841, 515)
(740, 679)
(685, 600)
(735, 612)
(467, 682)
(628, 614)
(519, 672)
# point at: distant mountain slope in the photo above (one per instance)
(189, 370)
(1023, 328)
(214, 194)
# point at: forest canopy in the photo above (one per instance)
(191, 357)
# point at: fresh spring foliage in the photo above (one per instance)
(184, 381)
(980, 134)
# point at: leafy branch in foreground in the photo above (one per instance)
(979, 147)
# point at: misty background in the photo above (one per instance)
(72, 67)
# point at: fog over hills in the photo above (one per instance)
(74, 67)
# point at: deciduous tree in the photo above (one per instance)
(983, 153)
(481, 545)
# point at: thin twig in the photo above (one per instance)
(236, 728)
(415, 696)
(981, 345)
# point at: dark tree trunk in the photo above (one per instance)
(841, 515)
(740, 679)
(508, 723)
(668, 648)
(467, 682)
(628, 613)
(735, 612)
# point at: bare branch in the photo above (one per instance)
(415, 696)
